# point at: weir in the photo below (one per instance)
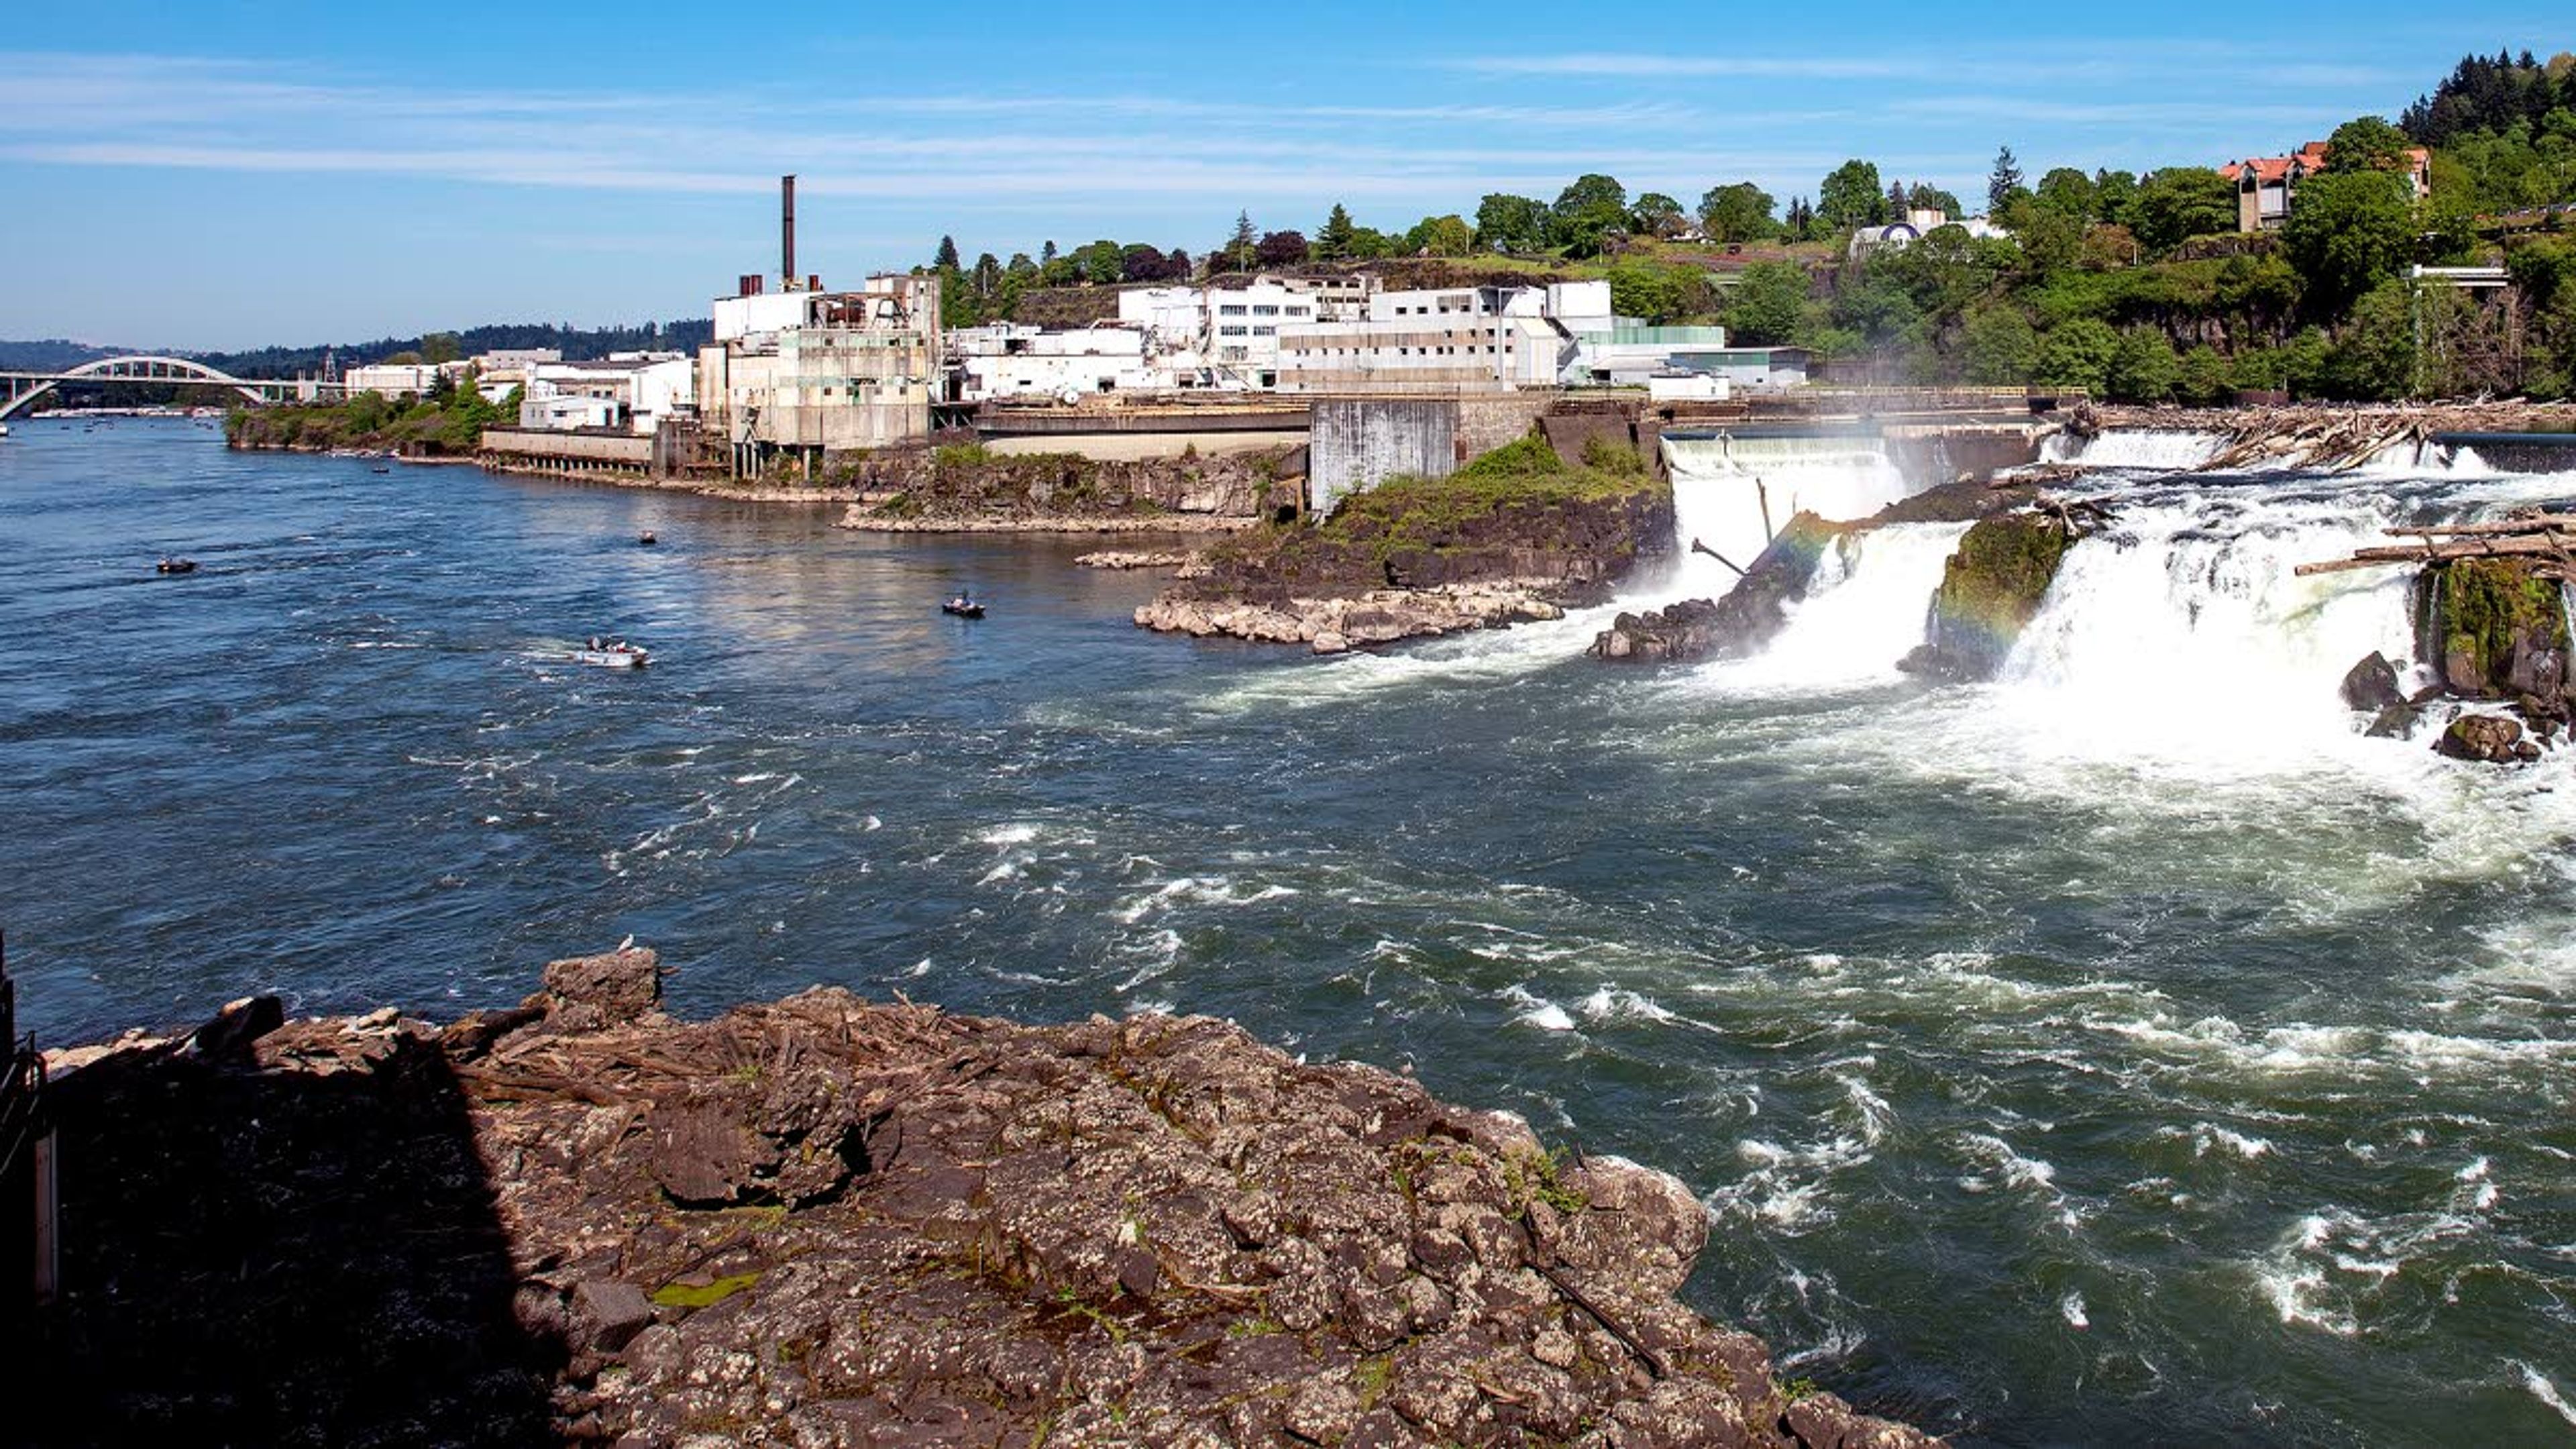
(1732, 493)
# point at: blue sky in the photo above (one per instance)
(212, 176)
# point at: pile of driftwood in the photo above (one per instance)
(2549, 538)
(2333, 438)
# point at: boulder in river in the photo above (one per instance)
(2489, 737)
(1743, 621)
(1990, 590)
(2371, 686)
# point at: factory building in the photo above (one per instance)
(802, 372)
(630, 391)
(1017, 360)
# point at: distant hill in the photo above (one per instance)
(576, 343)
(49, 355)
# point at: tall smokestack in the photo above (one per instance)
(787, 229)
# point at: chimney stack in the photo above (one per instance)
(787, 229)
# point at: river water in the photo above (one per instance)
(2125, 1051)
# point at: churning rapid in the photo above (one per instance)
(2123, 1050)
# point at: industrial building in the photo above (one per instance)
(802, 371)
(632, 391)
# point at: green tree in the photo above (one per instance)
(2374, 355)
(2001, 345)
(1368, 242)
(1769, 306)
(2366, 143)
(1441, 236)
(1506, 223)
(2203, 378)
(1238, 247)
(1655, 214)
(2003, 181)
(987, 275)
(1737, 213)
(2068, 192)
(1922, 197)
(2078, 354)
(2144, 368)
(1333, 240)
(1101, 261)
(440, 347)
(2112, 193)
(1851, 197)
(2181, 202)
(946, 260)
(2347, 232)
(1589, 192)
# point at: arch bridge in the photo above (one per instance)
(18, 390)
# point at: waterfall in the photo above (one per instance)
(2161, 450)
(2183, 627)
(1721, 485)
(1864, 608)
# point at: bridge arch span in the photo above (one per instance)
(136, 367)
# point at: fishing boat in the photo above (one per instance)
(176, 566)
(963, 607)
(612, 654)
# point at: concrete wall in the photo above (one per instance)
(1123, 446)
(521, 450)
(1486, 423)
(1358, 442)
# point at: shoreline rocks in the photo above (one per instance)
(1136, 559)
(1379, 616)
(827, 1221)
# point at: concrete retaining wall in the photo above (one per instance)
(1358, 442)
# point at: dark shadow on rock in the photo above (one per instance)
(279, 1257)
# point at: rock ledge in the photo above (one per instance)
(822, 1221)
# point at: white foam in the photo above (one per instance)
(1720, 487)
(2072, 1308)
(2160, 450)
(2540, 1387)
(1537, 1010)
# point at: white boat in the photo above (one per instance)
(4, 430)
(621, 656)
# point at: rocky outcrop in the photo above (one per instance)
(2371, 685)
(967, 488)
(1519, 534)
(1378, 616)
(822, 1221)
(2495, 626)
(1990, 589)
(1740, 623)
(1133, 559)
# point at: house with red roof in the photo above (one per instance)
(2266, 185)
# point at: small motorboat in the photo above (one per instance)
(612, 654)
(176, 566)
(380, 468)
(646, 539)
(963, 607)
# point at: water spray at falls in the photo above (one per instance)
(1732, 494)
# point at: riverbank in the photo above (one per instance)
(824, 1220)
(968, 488)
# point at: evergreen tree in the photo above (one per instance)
(2003, 181)
(946, 261)
(1238, 248)
(1333, 241)
(1046, 253)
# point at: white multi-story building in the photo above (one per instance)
(392, 379)
(633, 391)
(1016, 360)
(1227, 335)
(1446, 340)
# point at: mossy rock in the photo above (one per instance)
(1990, 590)
(2498, 627)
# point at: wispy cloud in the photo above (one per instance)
(1658, 64)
